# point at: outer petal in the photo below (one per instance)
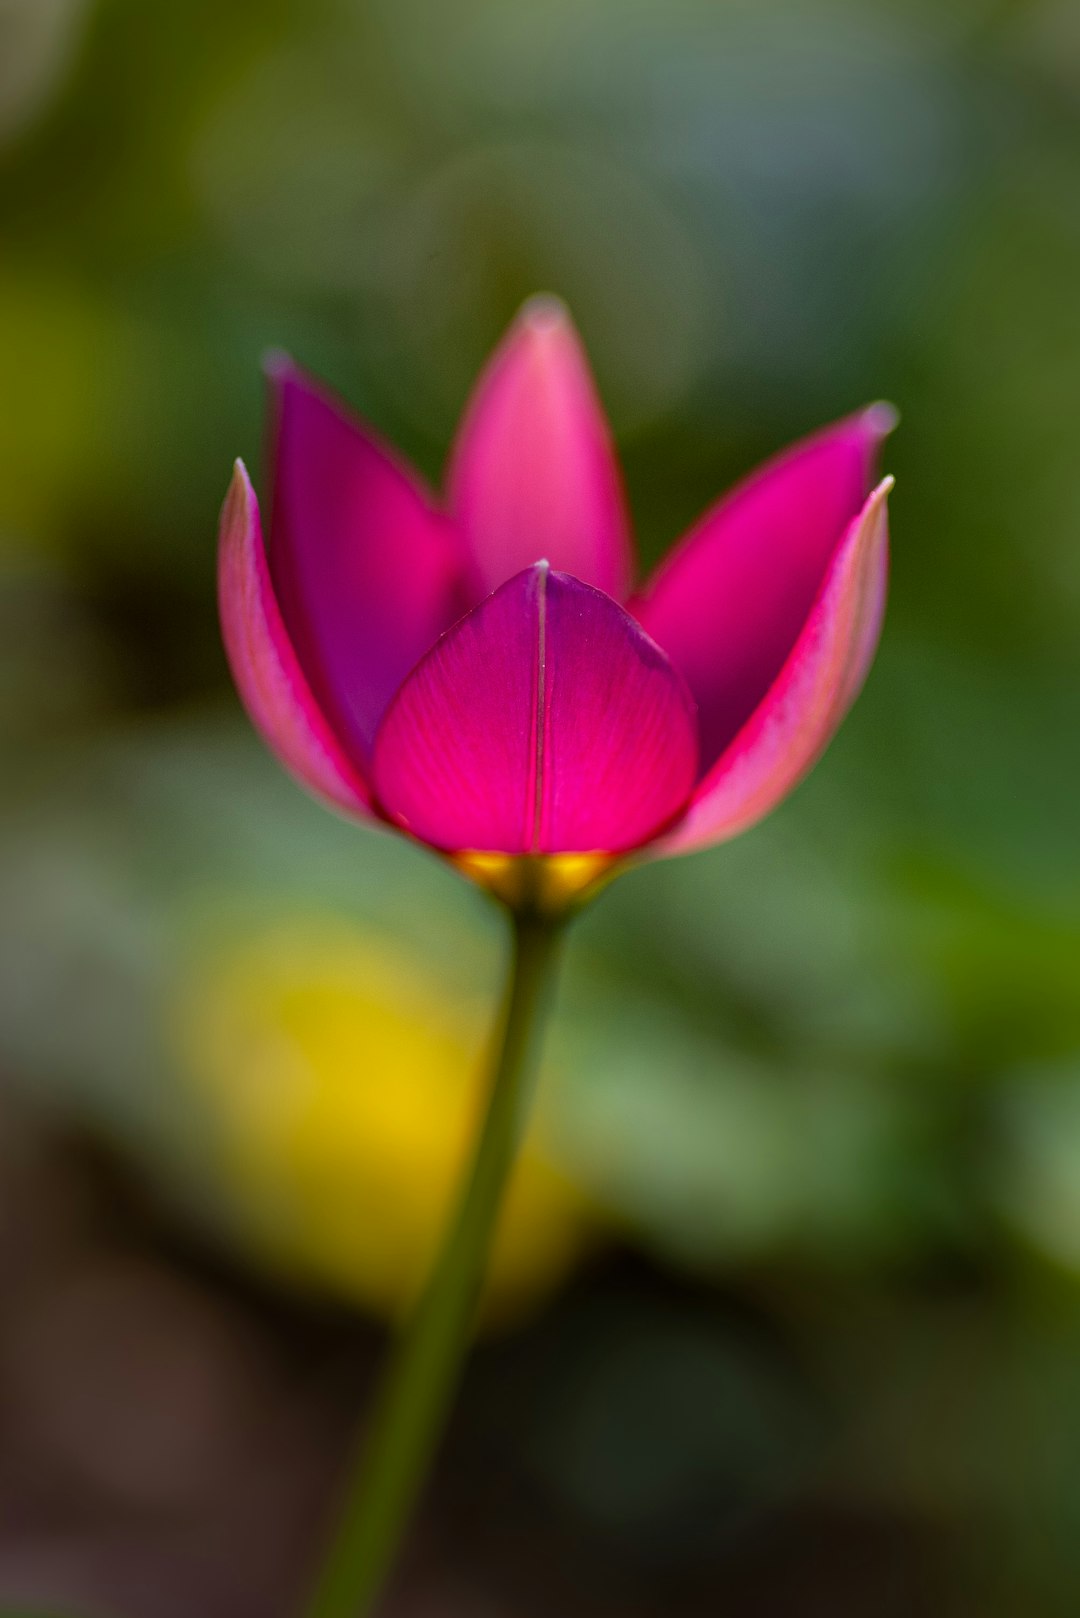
(367, 572)
(545, 722)
(822, 677)
(533, 473)
(264, 665)
(729, 603)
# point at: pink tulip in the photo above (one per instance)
(479, 675)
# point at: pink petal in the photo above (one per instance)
(533, 472)
(265, 667)
(544, 722)
(820, 680)
(367, 572)
(728, 605)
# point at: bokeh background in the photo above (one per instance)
(785, 1315)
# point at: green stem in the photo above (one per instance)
(415, 1399)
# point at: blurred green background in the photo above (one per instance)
(788, 1315)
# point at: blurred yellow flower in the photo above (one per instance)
(345, 1087)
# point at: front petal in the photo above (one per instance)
(800, 714)
(729, 603)
(367, 572)
(533, 472)
(264, 664)
(544, 722)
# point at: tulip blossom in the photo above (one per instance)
(480, 672)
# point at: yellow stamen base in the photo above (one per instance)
(549, 884)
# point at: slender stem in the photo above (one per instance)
(415, 1398)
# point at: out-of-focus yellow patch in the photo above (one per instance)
(346, 1090)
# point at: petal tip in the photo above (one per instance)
(881, 418)
(239, 497)
(278, 365)
(544, 314)
(878, 497)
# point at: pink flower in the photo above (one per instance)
(479, 674)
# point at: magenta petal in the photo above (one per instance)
(533, 474)
(819, 682)
(367, 572)
(544, 722)
(729, 603)
(264, 665)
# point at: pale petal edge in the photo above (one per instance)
(822, 676)
(265, 667)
